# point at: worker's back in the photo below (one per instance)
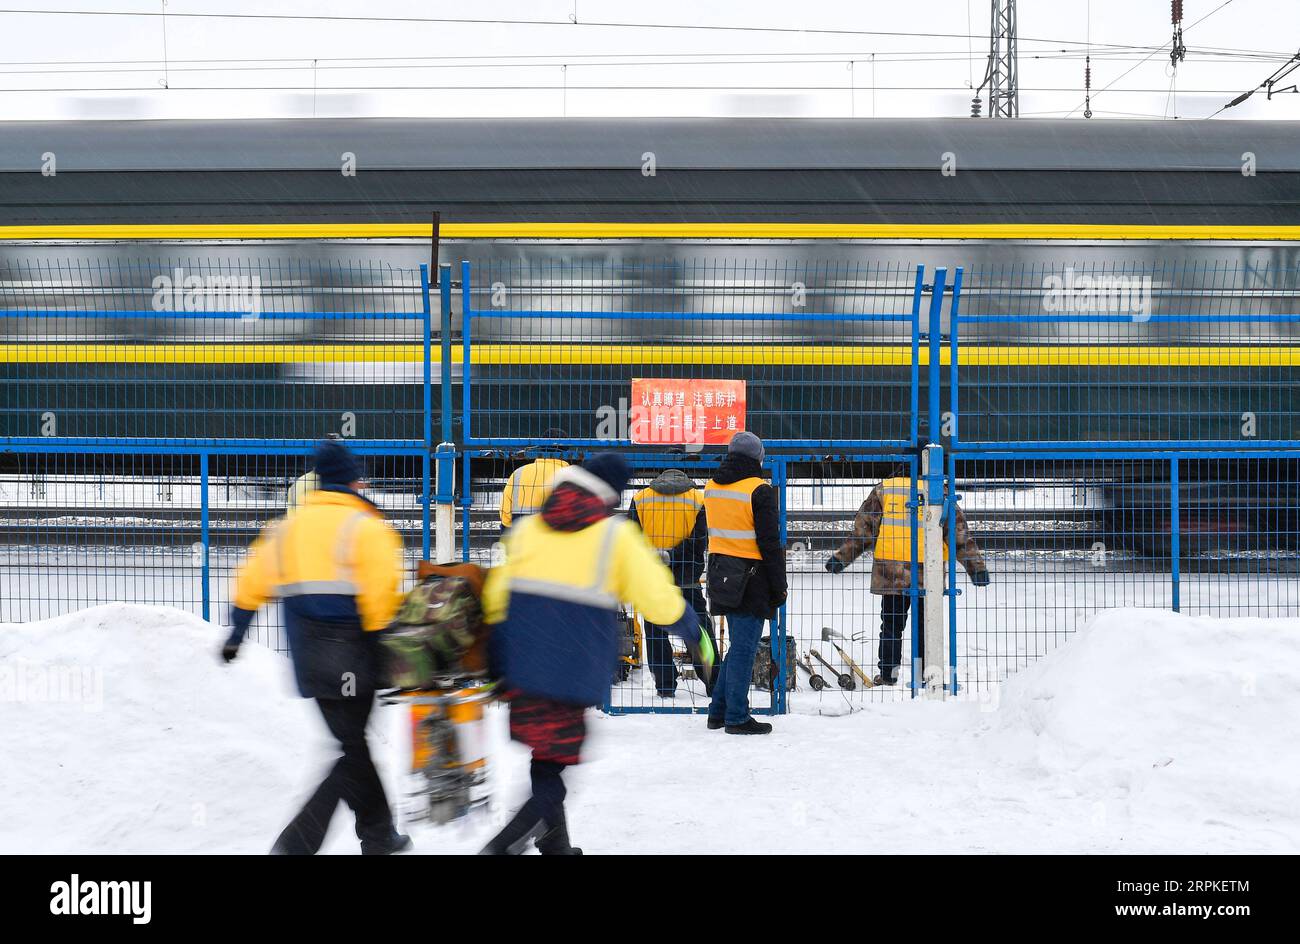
(556, 594)
(670, 510)
(337, 566)
(527, 487)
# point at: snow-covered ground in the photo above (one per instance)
(1145, 732)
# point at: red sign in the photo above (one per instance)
(681, 412)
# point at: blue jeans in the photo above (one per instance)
(731, 688)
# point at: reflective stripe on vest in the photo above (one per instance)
(594, 594)
(517, 507)
(667, 520)
(894, 541)
(730, 511)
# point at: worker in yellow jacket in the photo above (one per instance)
(527, 487)
(554, 602)
(670, 511)
(336, 566)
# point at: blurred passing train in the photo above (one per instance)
(706, 222)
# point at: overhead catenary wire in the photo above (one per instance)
(600, 24)
(1160, 48)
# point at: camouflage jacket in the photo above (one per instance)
(889, 576)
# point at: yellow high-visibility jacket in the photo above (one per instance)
(894, 540)
(731, 518)
(555, 599)
(527, 488)
(667, 520)
(334, 553)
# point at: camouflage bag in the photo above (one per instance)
(438, 622)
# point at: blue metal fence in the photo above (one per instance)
(155, 413)
(1114, 436)
(555, 347)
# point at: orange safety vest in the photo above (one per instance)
(730, 511)
(668, 520)
(894, 541)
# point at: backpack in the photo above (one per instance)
(437, 625)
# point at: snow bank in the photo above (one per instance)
(1148, 732)
(1161, 716)
(121, 731)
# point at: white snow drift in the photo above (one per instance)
(121, 732)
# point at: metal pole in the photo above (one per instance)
(917, 288)
(779, 695)
(935, 335)
(953, 311)
(428, 412)
(933, 661)
(445, 380)
(466, 502)
(205, 537)
(952, 592)
(915, 593)
(1174, 549)
(466, 320)
(445, 538)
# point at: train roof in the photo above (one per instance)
(677, 144)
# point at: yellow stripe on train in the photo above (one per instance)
(795, 355)
(565, 231)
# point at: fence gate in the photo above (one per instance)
(564, 359)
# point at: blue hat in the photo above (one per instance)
(336, 465)
(611, 468)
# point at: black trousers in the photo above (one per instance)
(659, 648)
(893, 621)
(353, 779)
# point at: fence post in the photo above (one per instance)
(917, 288)
(427, 330)
(466, 319)
(204, 537)
(952, 591)
(1174, 549)
(915, 594)
(953, 310)
(445, 540)
(444, 296)
(933, 662)
(779, 699)
(467, 505)
(934, 336)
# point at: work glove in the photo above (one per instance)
(230, 648)
(834, 565)
(778, 599)
(980, 578)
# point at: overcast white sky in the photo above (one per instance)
(96, 66)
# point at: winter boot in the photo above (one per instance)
(555, 841)
(883, 679)
(751, 726)
(514, 839)
(715, 723)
